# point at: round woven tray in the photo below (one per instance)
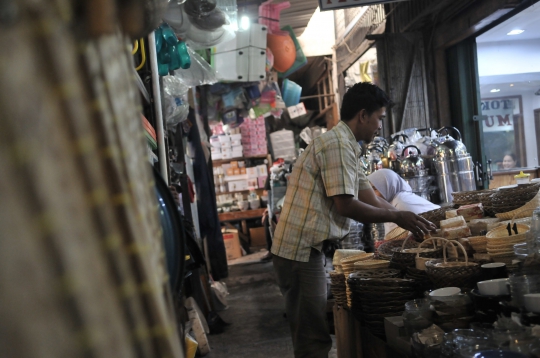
(359, 257)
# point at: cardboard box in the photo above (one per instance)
(252, 172)
(258, 236)
(232, 244)
(262, 171)
(238, 185)
(234, 164)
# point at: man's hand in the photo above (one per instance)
(414, 223)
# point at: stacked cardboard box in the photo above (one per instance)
(254, 137)
(226, 146)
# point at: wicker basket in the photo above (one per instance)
(401, 260)
(501, 234)
(510, 199)
(500, 244)
(387, 248)
(453, 274)
(486, 199)
(396, 234)
(522, 212)
(435, 216)
(469, 197)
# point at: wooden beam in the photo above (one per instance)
(442, 93)
(479, 15)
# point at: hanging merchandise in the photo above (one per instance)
(300, 59)
(284, 50)
(172, 54)
(200, 23)
(244, 57)
(269, 60)
(149, 133)
(269, 15)
(199, 73)
(205, 15)
(291, 93)
(175, 101)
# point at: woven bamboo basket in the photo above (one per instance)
(387, 248)
(371, 264)
(453, 274)
(396, 234)
(486, 199)
(522, 212)
(468, 197)
(499, 235)
(435, 216)
(510, 199)
(403, 258)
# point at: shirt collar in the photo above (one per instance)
(349, 134)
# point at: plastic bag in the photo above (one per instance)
(200, 73)
(175, 100)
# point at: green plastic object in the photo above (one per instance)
(183, 54)
(301, 59)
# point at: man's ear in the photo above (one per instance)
(362, 116)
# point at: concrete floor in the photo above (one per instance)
(256, 312)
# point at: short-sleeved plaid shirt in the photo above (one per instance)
(329, 166)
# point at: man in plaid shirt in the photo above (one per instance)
(327, 189)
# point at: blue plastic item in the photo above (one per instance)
(183, 54)
(291, 93)
(230, 118)
(175, 59)
(253, 92)
(158, 34)
(168, 34)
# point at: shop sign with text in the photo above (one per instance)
(325, 5)
(498, 114)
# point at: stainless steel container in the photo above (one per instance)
(454, 166)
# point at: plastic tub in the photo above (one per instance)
(291, 93)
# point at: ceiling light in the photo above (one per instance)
(511, 85)
(244, 22)
(495, 90)
(515, 32)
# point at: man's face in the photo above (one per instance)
(370, 125)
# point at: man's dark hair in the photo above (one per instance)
(363, 95)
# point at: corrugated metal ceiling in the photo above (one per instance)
(298, 15)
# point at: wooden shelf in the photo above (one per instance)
(224, 161)
(241, 215)
(238, 191)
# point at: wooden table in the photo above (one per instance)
(242, 216)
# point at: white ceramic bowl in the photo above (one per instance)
(532, 302)
(445, 292)
(493, 265)
(497, 287)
